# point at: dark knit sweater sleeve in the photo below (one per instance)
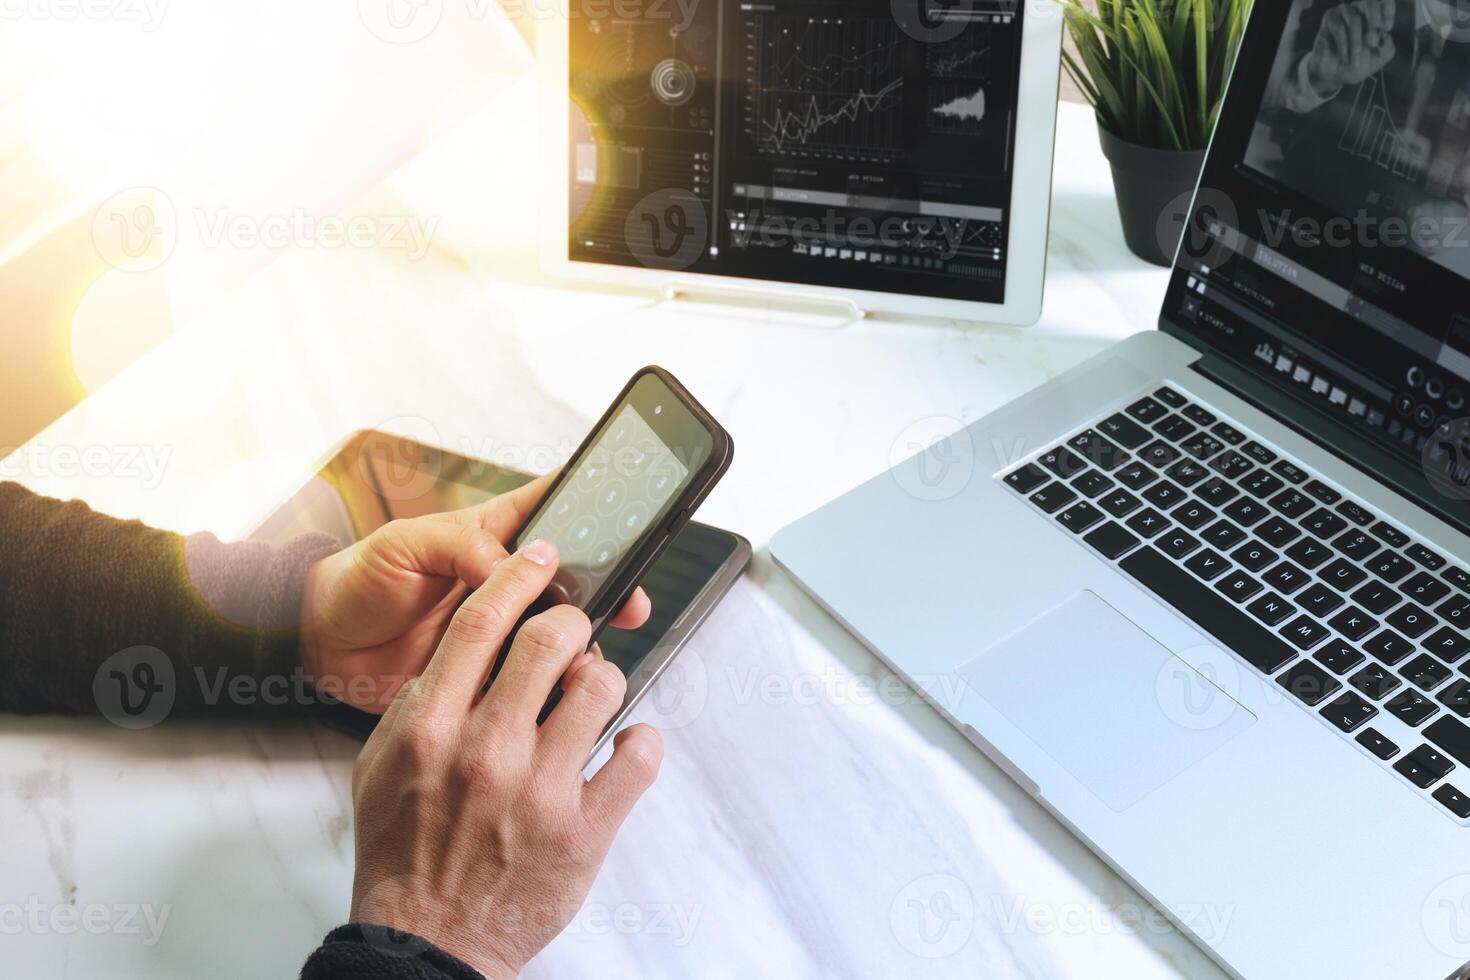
(368, 952)
(99, 615)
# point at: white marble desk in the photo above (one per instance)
(812, 818)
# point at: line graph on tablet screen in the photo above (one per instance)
(824, 86)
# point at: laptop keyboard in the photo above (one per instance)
(1356, 620)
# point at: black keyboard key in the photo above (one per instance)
(1278, 533)
(1261, 484)
(1304, 632)
(1290, 472)
(1425, 557)
(1098, 451)
(1147, 411)
(1259, 453)
(1193, 514)
(1171, 398)
(1342, 575)
(1424, 767)
(1079, 518)
(1207, 609)
(1136, 476)
(1425, 589)
(1092, 484)
(1027, 478)
(1271, 609)
(1377, 598)
(1389, 566)
(1208, 565)
(1164, 495)
(1148, 523)
(1389, 647)
(1411, 621)
(1112, 540)
(1054, 497)
(1238, 586)
(1254, 556)
(1338, 657)
(1174, 428)
(1223, 535)
(1375, 682)
(1202, 447)
(1323, 492)
(1353, 623)
(1355, 512)
(1324, 523)
(1456, 697)
(1374, 741)
(1309, 683)
(1410, 707)
(1177, 544)
(1187, 472)
(1247, 512)
(1119, 503)
(1425, 672)
(1063, 462)
(1386, 532)
(1124, 431)
(1456, 611)
(1349, 712)
(1457, 577)
(1232, 465)
(1286, 577)
(1228, 433)
(1319, 600)
(1197, 415)
(1293, 503)
(1453, 800)
(1453, 736)
(1447, 644)
(1357, 545)
(1216, 492)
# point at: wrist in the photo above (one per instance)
(433, 922)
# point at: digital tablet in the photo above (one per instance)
(376, 478)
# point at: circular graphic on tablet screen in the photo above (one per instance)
(673, 82)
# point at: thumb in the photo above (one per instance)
(430, 547)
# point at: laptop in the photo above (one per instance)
(866, 155)
(1207, 596)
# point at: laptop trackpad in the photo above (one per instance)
(1101, 697)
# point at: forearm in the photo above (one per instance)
(78, 587)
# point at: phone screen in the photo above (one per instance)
(621, 489)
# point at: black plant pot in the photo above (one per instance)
(1154, 188)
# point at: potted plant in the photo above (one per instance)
(1155, 72)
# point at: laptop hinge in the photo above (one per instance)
(1352, 449)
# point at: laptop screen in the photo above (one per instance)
(1329, 246)
(859, 144)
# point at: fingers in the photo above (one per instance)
(432, 547)
(504, 515)
(543, 650)
(478, 631)
(592, 697)
(634, 613)
(621, 782)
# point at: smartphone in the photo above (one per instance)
(630, 488)
(374, 477)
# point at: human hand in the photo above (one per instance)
(1354, 41)
(475, 828)
(374, 613)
